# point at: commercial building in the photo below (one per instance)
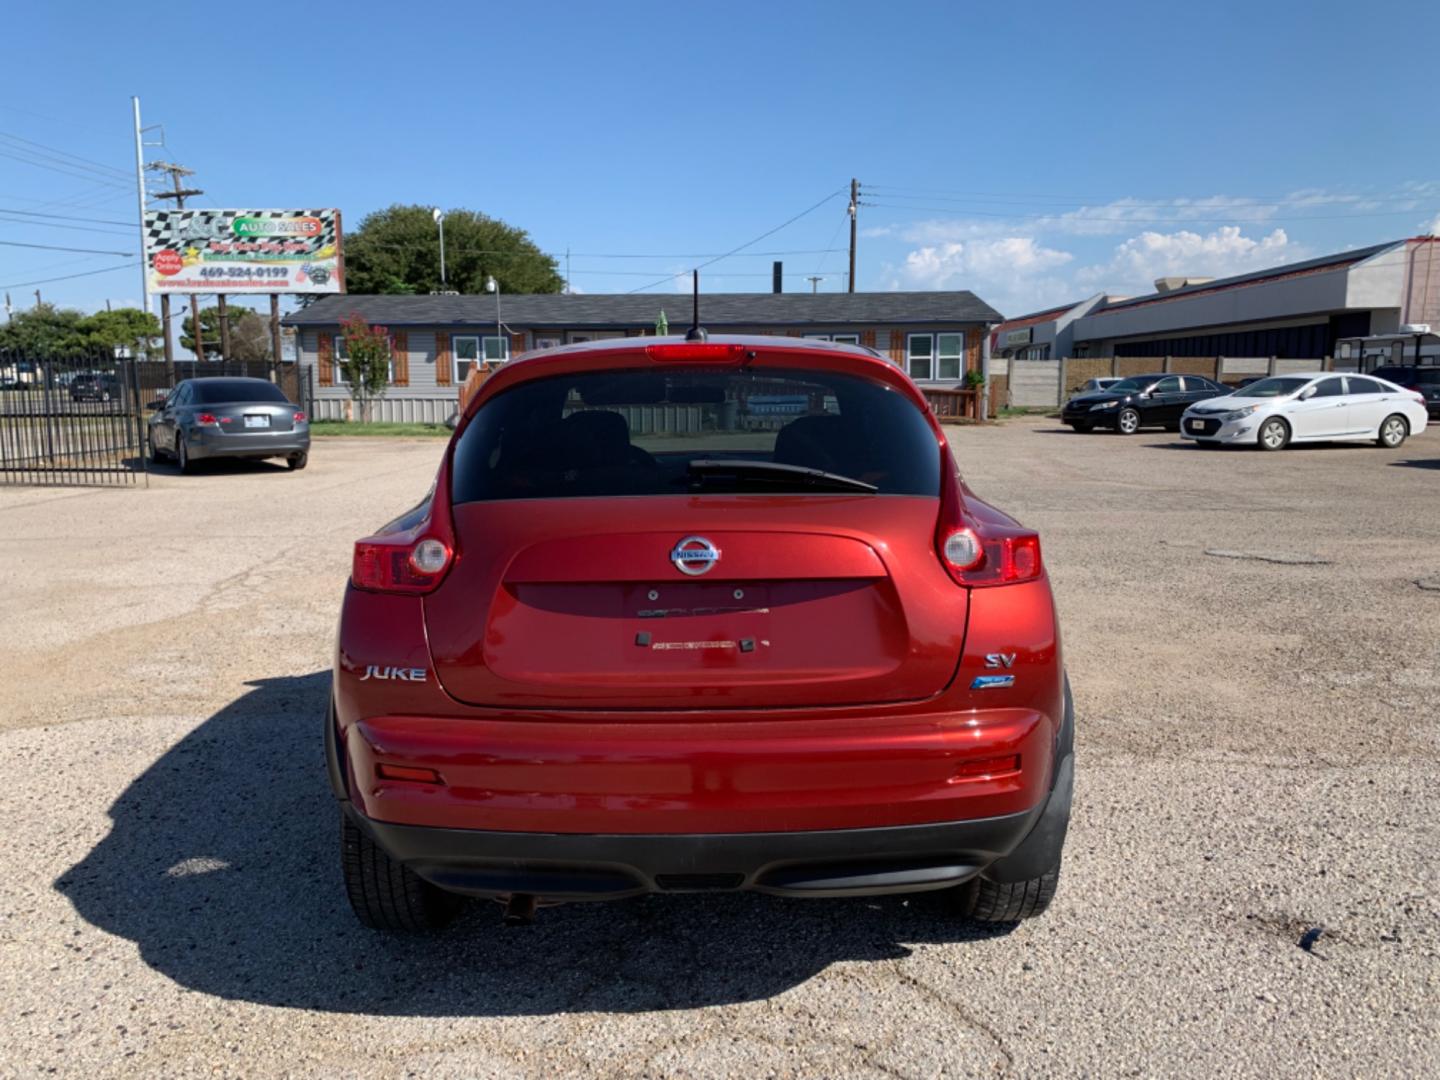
(1299, 311)
(938, 337)
(1042, 335)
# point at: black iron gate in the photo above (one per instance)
(73, 420)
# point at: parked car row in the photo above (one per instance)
(1269, 412)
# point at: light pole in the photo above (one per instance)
(439, 216)
(491, 285)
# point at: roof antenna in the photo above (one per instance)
(696, 331)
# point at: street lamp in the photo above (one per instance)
(439, 216)
(491, 285)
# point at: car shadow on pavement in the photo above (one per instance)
(1421, 463)
(166, 467)
(222, 866)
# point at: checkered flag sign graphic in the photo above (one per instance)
(196, 228)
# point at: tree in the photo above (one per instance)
(45, 332)
(129, 329)
(397, 250)
(249, 335)
(366, 362)
(209, 331)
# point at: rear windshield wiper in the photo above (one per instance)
(774, 472)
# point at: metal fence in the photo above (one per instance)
(72, 420)
(81, 418)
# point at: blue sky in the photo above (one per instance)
(1034, 153)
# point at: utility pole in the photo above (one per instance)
(140, 194)
(814, 280)
(179, 194)
(854, 213)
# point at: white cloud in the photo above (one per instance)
(1433, 229)
(1138, 261)
(874, 232)
(1008, 272)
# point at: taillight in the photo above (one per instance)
(299, 418)
(990, 560)
(414, 560)
(414, 567)
(207, 418)
(982, 554)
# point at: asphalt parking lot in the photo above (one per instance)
(1250, 886)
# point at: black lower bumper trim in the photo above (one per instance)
(832, 862)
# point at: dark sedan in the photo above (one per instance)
(227, 417)
(1425, 381)
(95, 386)
(1140, 401)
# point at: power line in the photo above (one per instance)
(952, 211)
(742, 247)
(953, 195)
(58, 165)
(83, 161)
(68, 217)
(52, 247)
(68, 277)
(60, 225)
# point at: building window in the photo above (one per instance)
(468, 351)
(950, 355)
(840, 339)
(342, 364)
(919, 355)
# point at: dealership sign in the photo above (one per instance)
(243, 251)
(1018, 337)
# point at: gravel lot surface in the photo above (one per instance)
(1257, 755)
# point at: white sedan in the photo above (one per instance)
(1312, 407)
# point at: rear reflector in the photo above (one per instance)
(695, 350)
(409, 773)
(987, 768)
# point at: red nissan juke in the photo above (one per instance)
(704, 615)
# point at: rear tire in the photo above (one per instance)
(387, 895)
(1274, 434)
(1128, 422)
(1393, 430)
(993, 902)
(298, 461)
(182, 455)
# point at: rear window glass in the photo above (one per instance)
(220, 391)
(646, 432)
(1410, 375)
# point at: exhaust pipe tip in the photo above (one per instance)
(519, 910)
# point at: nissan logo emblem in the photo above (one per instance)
(694, 555)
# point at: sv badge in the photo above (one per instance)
(1000, 660)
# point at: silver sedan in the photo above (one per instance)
(222, 417)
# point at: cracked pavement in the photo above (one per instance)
(1256, 756)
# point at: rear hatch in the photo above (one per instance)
(568, 589)
(555, 603)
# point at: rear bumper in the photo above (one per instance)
(838, 862)
(207, 443)
(811, 862)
